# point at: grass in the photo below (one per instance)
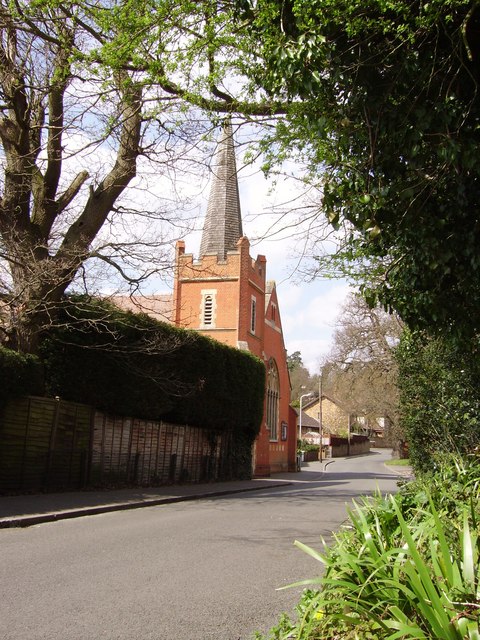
(405, 462)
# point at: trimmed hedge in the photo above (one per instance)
(130, 364)
(21, 374)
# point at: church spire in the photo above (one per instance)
(223, 221)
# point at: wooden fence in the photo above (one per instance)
(48, 444)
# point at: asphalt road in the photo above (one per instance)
(202, 570)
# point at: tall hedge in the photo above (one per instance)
(20, 374)
(131, 364)
(439, 385)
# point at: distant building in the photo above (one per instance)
(335, 418)
(309, 426)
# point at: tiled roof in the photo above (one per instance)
(158, 306)
(223, 221)
(307, 421)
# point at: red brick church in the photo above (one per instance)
(225, 294)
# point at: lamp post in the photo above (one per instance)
(349, 431)
(320, 416)
(305, 395)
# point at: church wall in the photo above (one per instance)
(225, 308)
(221, 279)
(234, 283)
(282, 453)
(252, 288)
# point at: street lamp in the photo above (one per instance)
(305, 395)
(320, 415)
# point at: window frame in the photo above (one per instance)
(208, 309)
(272, 411)
(253, 315)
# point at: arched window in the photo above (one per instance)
(273, 395)
(253, 315)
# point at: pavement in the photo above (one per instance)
(31, 509)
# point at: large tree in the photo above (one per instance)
(362, 373)
(385, 104)
(302, 382)
(91, 95)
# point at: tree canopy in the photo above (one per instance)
(384, 102)
(92, 94)
(380, 98)
(362, 372)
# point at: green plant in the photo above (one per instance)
(440, 592)
(130, 364)
(20, 374)
(439, 398)
(404, 566)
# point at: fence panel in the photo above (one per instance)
(44, 444)
(142, 452)
(48, 444)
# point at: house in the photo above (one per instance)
(335, 429)
(224, 294)
(308, 427)
(336, 419)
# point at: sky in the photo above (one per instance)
(308, 310)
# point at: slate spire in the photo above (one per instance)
(222, 228)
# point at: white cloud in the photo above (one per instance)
(308, 309)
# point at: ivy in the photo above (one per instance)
(385, 104)
(439, 398)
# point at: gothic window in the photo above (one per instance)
(253, 314)
(208, 309)
(273, 394)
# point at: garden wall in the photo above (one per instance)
(339, 447)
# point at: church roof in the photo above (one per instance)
(269, 288)
(158, 306)
(223, 221)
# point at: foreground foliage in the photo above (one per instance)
(439, 397)
(405, 566)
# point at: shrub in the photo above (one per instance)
(405, 566)
(130, 364)
(439, 385)
(20, 374)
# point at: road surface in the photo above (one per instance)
(202, 570)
